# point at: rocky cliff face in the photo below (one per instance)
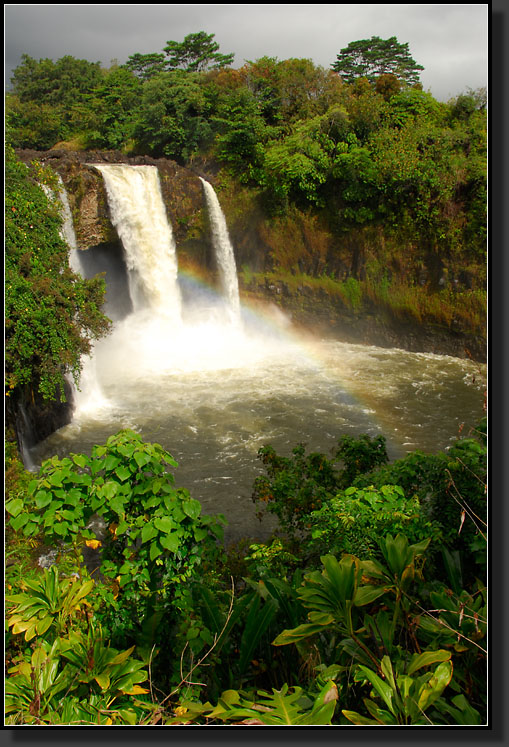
(181, 189)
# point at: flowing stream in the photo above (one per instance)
(212, 392)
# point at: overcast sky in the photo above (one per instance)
(450, 41)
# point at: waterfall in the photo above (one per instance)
(224, 251)
(139, 215)
(67, 231)
(89, 393)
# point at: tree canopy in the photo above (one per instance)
(370, 58)
(196, 53)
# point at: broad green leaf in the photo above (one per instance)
(328, 693)
(148, 532)
(14, 506)
(381, 687)
(419, 547)
(103, 680)
(141, 459)
(164, 524)
(82, 591)
(19, 521)
(367, 594)
(359, 720)
(117, 504)
(127, 450)
(296, 634)
(191, 508)
(122, 527)
(379, 714)
(436, 685)
(58, 477)
(109, 489)
(122, 656)
(155, 550)
(319, 716)
(43, 498)
(38, 657)
(170, 542)
(110, 463)
(43, 625)
(80, 459)
(426, 658)
(123, 473)
(62, 528)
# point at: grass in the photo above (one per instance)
(462, 310)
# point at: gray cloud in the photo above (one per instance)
(450, 41)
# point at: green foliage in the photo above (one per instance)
(145, 66)
(383, 615)
(294, 486)
(196, 53)
(49, 603)
(366, 630)
(406, 698)
(367, 155)
(155, 536)
(113, 107)
(240, 133)
(360, 455)
(46, 98)
(278, 708)
(172, 119)
(370, 58)
(33, 124)
(451, 488)
(60, 82)
(354, 521)
(69, 675)
(51, 313)
(297, 165)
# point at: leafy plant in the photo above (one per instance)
(155, 536)
(69, 675)
(356, 519)
(406, 698)
(278, 708)
(46, 602)
(360, 455)
(294, 486)
(332, 597)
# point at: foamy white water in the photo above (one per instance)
(224, 251)
(139, 215)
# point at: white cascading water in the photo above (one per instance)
(224, 251)
(139, 215)
(89, 395)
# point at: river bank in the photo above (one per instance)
(319, 310)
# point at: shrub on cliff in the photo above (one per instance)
(51, 313)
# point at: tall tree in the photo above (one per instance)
(145, 66)
(370, 58)
(59, 83)
(196, 53)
